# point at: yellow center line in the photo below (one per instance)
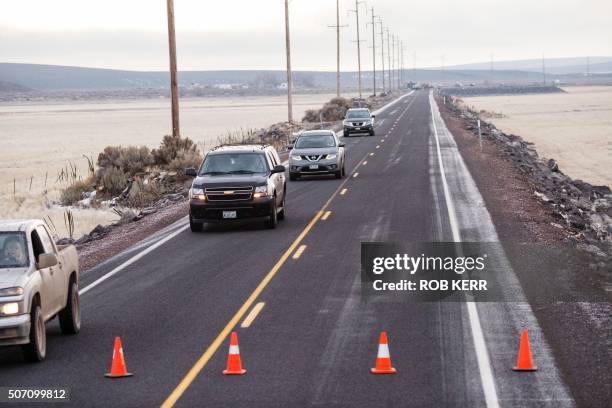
(326, 215)
(299, 251)
(344, 190)
(251, 316)
(214, 346)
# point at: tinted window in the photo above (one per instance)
(315, 141)
(361, 113)
(13, 250)
(234, 163)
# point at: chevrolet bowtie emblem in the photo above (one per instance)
(228, 192)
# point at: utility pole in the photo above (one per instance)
(393, 61)
(414, 65)
(588, 67)
(402, 63)
(338, 27)
(373, 48)
(289, 74)
(357, 3)
(176, 131)
(382, 47)
(389, 59)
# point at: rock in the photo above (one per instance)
(64, 241)
(127, 216)
(83, 240)
(601, 204)
(148, 210)
(592, 249)
(542, 197)
(99, 231)
(552, 165)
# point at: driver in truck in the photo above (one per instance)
(13, 252)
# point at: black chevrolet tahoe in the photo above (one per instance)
(237, 182)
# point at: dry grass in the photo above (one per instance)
(574, 128)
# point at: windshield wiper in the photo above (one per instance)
(213, 173)
(242, 172)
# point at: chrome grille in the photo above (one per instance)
(228, 193)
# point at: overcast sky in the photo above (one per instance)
(249, 34)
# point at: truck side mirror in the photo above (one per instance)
(278, 169)
(191, 172)
(46, 260)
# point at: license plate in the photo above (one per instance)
(313, 166)
(229, 214)
(357, 128)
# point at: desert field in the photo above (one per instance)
(39, 140)
(574, 128)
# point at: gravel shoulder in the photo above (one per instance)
(579, 333)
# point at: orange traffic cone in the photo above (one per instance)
(383, 360)
(234, 366)
(118, 368)
(524, 361)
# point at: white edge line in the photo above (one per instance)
(482, 354)
(131, 261)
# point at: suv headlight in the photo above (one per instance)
(296, 157)
(261, 191)
(15, 291)
(331, 156)
(345, 122)
(197, 194)
(9, 309)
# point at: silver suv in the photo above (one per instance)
(316, 152)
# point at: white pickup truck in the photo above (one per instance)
(38, 281)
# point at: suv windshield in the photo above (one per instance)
(355, 114)
(234, 163)
(13, 250)
(315, 141)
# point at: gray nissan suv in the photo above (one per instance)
(316, 152)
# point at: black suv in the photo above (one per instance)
(237, 182)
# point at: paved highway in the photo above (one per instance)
(311, 339)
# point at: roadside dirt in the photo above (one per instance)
(580, 334)
(122, 237)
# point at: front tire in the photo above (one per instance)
(281, 214)
(293, 176)
(195, 226)
(70, 316)
(36, 350)
(273, 221)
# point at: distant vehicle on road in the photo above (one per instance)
(38, 281)
(317, 152)
(237, 182)
(358, 120)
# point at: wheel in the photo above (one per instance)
(36, 350)
(343, 169)
(70, 316)
(273, 221)
(293, 176)
(195, 226)
(372, 133)
(346, 133)
(338, 174)
(281, 214)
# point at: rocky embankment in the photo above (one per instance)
(582, 210)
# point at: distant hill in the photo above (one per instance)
(558, 66)
(12, 87)
(48, 78)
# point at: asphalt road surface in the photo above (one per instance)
(314, 340)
